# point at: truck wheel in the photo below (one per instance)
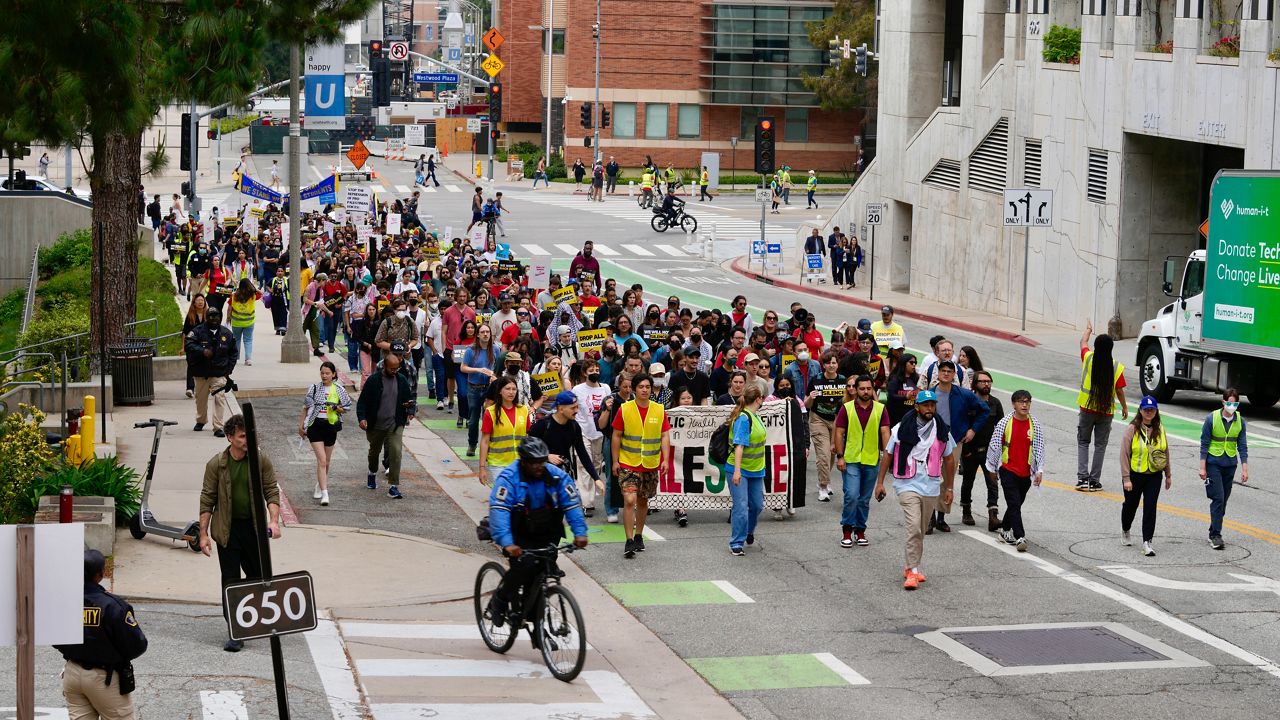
(1151, 374)
(1263, 400)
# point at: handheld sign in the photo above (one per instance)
(539, 277)
(567, 294)
(509, 266)
(548, 383)
(656, 337)
(592, 340)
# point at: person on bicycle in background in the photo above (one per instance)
(672, 206)
(528, 505)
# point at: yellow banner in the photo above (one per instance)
(592, 339)
(548, 382)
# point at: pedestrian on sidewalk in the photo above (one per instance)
(811, 187)
(198, 263)
(746, 462)
(541, 173)
(322, 410)
(1144, 462)
(502, 427)
(244, 313)
(921, 454)
(777, 196)
(211, 356)
(218, 280)
(859, 435)
(420, 170)
(226, 517)
(591, 395)
(1102, 383)
(385, 406)
(704, 181)
(611, 175)
(579, 172)
(112, 640)
(1016, 452)
(314, 310)
(785, 177)
(1223, 444)
(431, 170)
(195, 317)
(853, 258)
(973, 456)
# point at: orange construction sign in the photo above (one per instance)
(358, 154)
(1204, 229)
(493, 39)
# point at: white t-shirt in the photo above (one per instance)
(589, 401)
(402, 287)
(433, 332)
(500, 320)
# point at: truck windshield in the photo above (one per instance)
(1193, 281)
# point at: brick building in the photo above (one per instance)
(679, 78)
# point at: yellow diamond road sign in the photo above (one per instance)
(492, 65)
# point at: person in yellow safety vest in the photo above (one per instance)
(672, 179)
(703, 181)
(1016, 453)
(1101, 385)
(641, 448)
(503, 426)
(244, 312)
(646, 185)
(746, 468)
(859, 437)
(885, 330)
(785, 179)
(1144, 458)
(811, 187)
(1223, 444)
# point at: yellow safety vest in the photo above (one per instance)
(333, 400)
(1008, 438)
(243, 314)
(812, 182)
(1140, 453)
(1223, 441)
(703, 179)
(753, 451)
(506, 437)
(1086, 384)
(862, 445)
(646, 181)
(641, 445)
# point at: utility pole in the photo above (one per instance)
(596, 112)
(295, 348)
(550, 59)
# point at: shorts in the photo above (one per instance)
(475, 217)
(641, 481)
(323, 431)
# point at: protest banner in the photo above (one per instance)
(548, 383)
(592, 340)
(656, 337)
(539, 277)
(393, 223)
(509, 266)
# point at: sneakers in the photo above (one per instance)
(1124, 539)
(471, 451)
(393, 492)
(611, 518)
(860, 537)
(639, 542)
(191, 393)
(250, 362)
(629, 551)
(1021, 544)
(682, 518)
(1006, 536)
(1082, 485)
(751, 539)
(372, 482)
(847, 540)
(217, 432)
(315, 494)
(198, 427)
(324, 498)
(1216, 542)
(233, 646)
(737, 552)
(1094, 486)
(777, 515)
(1148, 550)
(588, 512)
(911, 582)
(440, 406)
(824, 495)
(461, 423)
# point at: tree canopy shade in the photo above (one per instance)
(95, 72)
(839, 87)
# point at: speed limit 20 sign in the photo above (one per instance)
(875, 213)
(281, 605)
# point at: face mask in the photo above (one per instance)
(785, 393)
(593, 377)
(513, 369)
(674, 344)
(659, 382)
(402, 313)
(1229, 408)
(803, 356)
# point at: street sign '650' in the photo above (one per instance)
(280, 605)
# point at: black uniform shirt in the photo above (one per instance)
(112, 636)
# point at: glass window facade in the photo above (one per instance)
(795, 128)
(624, 120)
(688, 121)
(760, 52)
(655, 121)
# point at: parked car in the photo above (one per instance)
(40, 183)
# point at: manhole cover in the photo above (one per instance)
(1055, 647)
(1170, 550)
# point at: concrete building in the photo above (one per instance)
(679, 78)
(1128, 136)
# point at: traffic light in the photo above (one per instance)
(604, 117)
(764, 145)
(375, 49)
(494, 133)
(834, 55)
(860, 60)
(184, 157)
(585, 114)
(495, 103)
(381, 81)
(186, 190)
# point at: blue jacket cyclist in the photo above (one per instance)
(528, 506)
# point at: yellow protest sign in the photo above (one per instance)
(548, 383)
(592, 339)
(567, 294)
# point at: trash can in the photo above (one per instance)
(132, 374)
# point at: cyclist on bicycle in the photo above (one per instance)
(527, 508)
(672, 206)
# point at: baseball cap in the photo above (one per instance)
(504, 297)
(565, 397)
(657, 369)
(1148, 402)
(925, 396)
(864, 324)
(526, 327)
(512, 356)
(564, 329)
(895, 344)
(693, 352)
(751, 357)
(886, 310)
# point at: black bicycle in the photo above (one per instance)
(549, 613)
(682, 220)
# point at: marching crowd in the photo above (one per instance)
(589, 367)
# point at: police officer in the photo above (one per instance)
(98, 675)
(527, 508)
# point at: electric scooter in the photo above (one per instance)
(144, 522)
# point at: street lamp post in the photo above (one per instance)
(596, 112)
(551, 11)
(733, 162)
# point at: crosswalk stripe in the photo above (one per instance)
(637, 250)
(617, 700)
(410, 631)
(606, 251)
(402, 188)
(430, 667)
(428, 189)
(571, 250)
(452, 188)
(378, 189)
(223, 705)
(670, 250)
(535, 249)
(335, 671)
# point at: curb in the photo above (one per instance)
(925, 317)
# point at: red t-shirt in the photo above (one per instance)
(486, 422)
(1120, 381)
(453, 319)
(1019, 447)
(618, 426)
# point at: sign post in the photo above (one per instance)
(1027, 208)
(763, 195)
(875, 213)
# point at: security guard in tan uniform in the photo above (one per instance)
(98, 677)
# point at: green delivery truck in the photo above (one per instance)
(1223, 328)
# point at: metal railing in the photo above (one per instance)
(29, 306)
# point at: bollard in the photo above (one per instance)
(87, 423)
(90, 405)
(71, 449)
(631, 188)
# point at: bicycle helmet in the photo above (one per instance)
(533, 449)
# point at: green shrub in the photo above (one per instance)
(11, 305)
(74, 249)
(1274, 55)
(231, 124)
(525, 147)
(101, 477)
(1062, 45)
(500, 156)
(23, 452)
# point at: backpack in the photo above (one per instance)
(718, 448)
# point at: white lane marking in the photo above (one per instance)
(606, 251)
(331, 663)
(535, 249)
(223, 705)
(452, 188)
(568, 249)
(378, 189)
(1145, 609)
(1252, 583)
(430, 667)
(637, 250)
(668, 249)
(963, 653)
(428, 190)
(617, 701)
(651, 534)
(402, 188)
(850, 675)
(42, 713)
(729, 589)
(319, 175)
(410, 631)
